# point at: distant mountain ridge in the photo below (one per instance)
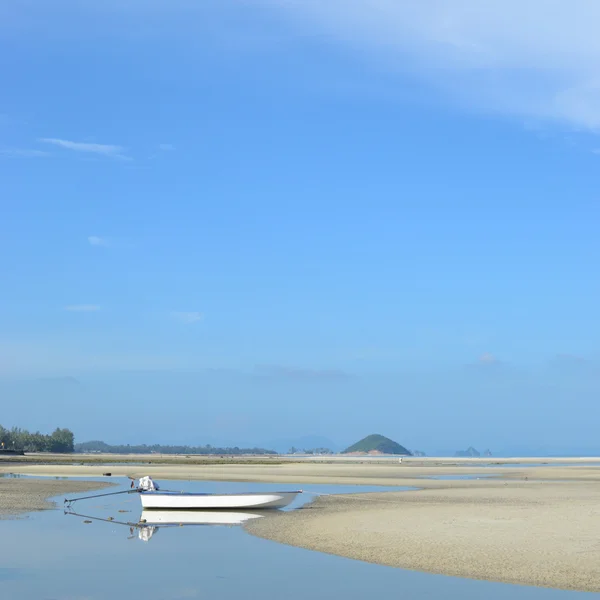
(377, 444)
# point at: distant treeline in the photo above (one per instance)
(97, 446)
(61, 440)
(316, 451)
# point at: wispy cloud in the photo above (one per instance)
(82, 308)
(95, 240)
(513, 57)
(114, 243)
(166, 147)
(490, 363)
(108, 150)
(487, 358)
(187, 317)
(23, 153)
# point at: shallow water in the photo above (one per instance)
(456, 477)
(53, 556)
(543, 464)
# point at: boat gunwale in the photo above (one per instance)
(204, 494)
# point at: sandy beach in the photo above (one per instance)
(18, 496)
(530, 533)
(527, 525)
(346, 471)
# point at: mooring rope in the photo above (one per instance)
(132, 491)
(71, 500)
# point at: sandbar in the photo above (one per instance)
(522, 532)
(307, 472)
(22, 495)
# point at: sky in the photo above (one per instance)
(248, 221)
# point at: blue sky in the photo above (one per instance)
(281, 219)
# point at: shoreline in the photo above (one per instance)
(301, 473)
(533, 533)
(20, 496)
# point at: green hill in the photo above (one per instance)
(377, 443)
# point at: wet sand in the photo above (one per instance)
(534, 526)
(18, 496)
(527, 532)
(338, 473)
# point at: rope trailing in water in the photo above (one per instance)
(128, 523)
(71, 500)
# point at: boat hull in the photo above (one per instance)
(178, 501)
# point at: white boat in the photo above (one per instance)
(183, 500)
(153, 498)
(196, 517)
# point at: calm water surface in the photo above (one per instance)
(53, 556)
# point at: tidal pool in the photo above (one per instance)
(56, 556)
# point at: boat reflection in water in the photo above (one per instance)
(151, 521)
(197, 517)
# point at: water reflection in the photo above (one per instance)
(151, 520)
(198, 517)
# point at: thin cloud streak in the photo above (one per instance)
(95, 240)
(115, 244)
(518, 59)
(108, 150)
(23, 153)
(187, 317)
(83, 308)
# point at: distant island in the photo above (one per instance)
(468, 453)
(377, 444)
(101, 447)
